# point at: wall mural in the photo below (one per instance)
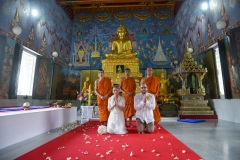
(50, 30)
(153, 39)
(6, 53)
(203, 30)
(200, 26)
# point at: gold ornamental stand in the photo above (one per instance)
(114, 69)
(192, 102)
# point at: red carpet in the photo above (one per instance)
(84, 142)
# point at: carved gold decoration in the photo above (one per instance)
(121, 16)
(192, 103)
(189, 66)
(111, 69)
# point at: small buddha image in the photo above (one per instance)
(122, 46)
(86, 85)
(80, 58)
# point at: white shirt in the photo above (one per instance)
(144, 111)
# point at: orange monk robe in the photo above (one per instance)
(129, 85)
(153, 87)
(103, 87)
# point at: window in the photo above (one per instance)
(219, 73)
(26, 76)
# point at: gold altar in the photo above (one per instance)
(114, 69)
(121, 57)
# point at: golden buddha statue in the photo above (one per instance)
(164, 83)
(86, 86)
(122, 46)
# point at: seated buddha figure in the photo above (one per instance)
(122, 46)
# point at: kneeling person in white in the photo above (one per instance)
(116, 120)
(144, 104)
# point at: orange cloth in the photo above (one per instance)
(153, 87)
(129, 85)
(103, 87)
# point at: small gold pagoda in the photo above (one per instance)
(120, 57)
(192, 91)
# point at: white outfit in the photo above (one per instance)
(144, 111)
(116, 120)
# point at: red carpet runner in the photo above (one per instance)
(84, 142)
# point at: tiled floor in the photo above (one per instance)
(212, 140)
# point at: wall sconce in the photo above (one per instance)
(221, 24)
(70, 65)
(190, 50)
(175, 62)
(17, 30)
(54, 54)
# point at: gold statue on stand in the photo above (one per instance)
(164, 83)
(122, 46)
(86, 85)
(121, 55)
(87, 90)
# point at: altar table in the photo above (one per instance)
(17, 126)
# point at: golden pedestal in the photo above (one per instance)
(194, 104)
(114, 69)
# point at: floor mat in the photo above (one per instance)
(188, 120)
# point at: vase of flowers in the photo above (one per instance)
(82, 100)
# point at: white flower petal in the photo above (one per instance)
(131, 154)
(176, 157)
(172, 155)
(98, 154)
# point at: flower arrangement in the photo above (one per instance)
(148, 97)
(82, 99)
(102, 129)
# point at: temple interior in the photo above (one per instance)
(51, 52)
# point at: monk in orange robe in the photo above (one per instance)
(152, 83)
(128, 88)
(103, 90)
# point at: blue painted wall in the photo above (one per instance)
(145, 34)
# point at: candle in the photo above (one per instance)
(89, 94)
